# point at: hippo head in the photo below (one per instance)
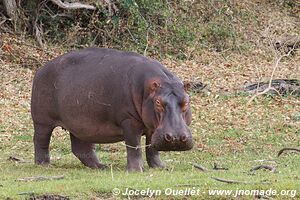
(166, 112)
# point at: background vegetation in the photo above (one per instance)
(223, 43)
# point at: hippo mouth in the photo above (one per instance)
(160, 144)
(175, 147)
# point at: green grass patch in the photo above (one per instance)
(226, 133)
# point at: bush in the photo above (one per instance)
(158, 28)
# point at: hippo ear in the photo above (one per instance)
(154, 86)
(187, 85)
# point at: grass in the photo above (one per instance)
(226, 130)
(83, 183)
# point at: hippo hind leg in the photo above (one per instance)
(41, 139)
(85, 152)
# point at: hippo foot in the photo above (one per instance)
(97, 166)
(42, 157)
(91, 161)
(137, 168)
(157, 164)
(42, 163)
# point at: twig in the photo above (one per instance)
(132, 37)
(229, 181)
(187, 185)
(200, 167)
(26, 193)
(2, 22)
(75, 5)
(238, 182)
(287, 149)
(271, 168)
(40, 178)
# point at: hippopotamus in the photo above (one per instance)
(102, 95)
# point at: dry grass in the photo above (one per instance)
(223, 72)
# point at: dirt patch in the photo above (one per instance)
(49, 197)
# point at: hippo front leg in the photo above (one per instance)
(132, 137)
(152, 155)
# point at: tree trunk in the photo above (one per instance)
(10, 8)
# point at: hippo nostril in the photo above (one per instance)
(183, 138)
(168, 137)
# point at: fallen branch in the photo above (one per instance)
(67, 5)
(40, 178)
(287, 149)
(229, 181)
(26, 193)
(237, 182)
(261, 93)
(271, 168)
(187, 185)
(200, 167)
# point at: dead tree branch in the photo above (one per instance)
(287, 149)
(271, 168)
(236, 181)
(229, 181)
(200, 167)
(39, 34)
(10, 7)
(276, 64)
(40, 178)
(75, 5)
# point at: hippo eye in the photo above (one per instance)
(157, 102)
(185, 106)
